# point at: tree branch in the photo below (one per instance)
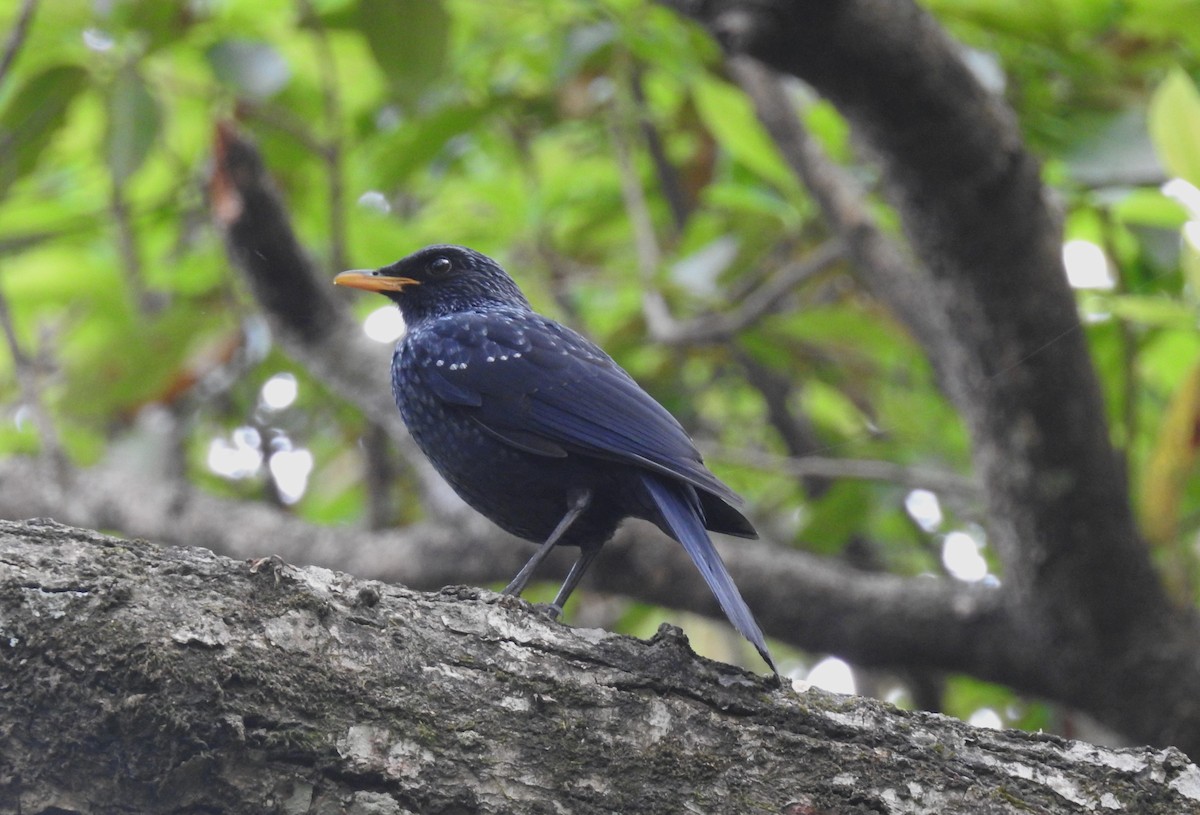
(873, 619)
(879, 261)
(27, 377)
(1008, 344)
(16, 38)
(1004, 336)
(767, 298)
(212, 686)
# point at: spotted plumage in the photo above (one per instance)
(540, 430)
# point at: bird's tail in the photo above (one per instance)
(680, 509)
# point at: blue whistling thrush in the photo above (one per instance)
(540, 430)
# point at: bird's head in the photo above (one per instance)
(439, 280)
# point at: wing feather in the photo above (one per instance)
(541, 387)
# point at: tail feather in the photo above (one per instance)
(680, 509)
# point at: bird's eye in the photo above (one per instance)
(440, 266)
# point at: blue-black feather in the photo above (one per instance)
(680, 510)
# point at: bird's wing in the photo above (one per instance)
(543, 388)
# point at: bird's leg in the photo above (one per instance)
(586, 555)
(578, 501)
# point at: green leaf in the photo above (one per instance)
(1189, 264)
(728, 115)
(341, 14)
(37, 110)
(828, 126)
(763, 203)
(1175, 125)
(159, 24)
(829, 407)
(1158, 312)
(836, 516)
(843, 332)
(116, 360)
(133, 123)
(420, 141)
(1149, 207)
(409, 39)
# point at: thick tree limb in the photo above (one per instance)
(1005, 338)
(874, 619)
(1014, 356)
(170, 680)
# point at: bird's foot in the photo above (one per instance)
(505, 600)
(549, 610)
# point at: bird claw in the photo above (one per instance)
(549, 610)
(506, 600)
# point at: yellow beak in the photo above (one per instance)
(369, 280)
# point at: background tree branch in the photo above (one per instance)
(1005, 336)
(307, 317)
(1012, 353)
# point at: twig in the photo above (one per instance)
(668, 176)
(649, 255)
(131, 262)
(1129, 346)
(766, 299)
(16, 38)
(881, 263)
(27, 381)
(795, 430)
(938, 481)
(331, 151)
(661, 324)
(380, 475)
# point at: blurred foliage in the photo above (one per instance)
(390, 124)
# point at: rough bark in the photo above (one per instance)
(876, 619)
(140, 678)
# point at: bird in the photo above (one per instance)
(539, 430)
